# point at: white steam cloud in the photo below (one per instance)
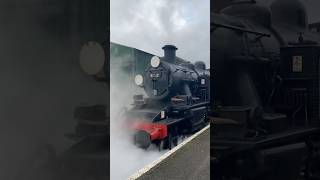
(125, 157)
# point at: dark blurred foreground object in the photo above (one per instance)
(266, 96)
(87, 157)
(47, 85)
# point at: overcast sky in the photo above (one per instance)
(150, 24)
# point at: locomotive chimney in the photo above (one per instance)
(169, 53)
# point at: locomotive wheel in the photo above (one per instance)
(167, 143)
(162, 144)
(175, 141)
(172, 141)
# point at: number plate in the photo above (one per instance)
(155, 75)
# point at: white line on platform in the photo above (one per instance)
(167, 154)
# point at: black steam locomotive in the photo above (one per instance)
(266, 94)
(177, 103)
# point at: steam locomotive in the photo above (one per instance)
(177, 102)
(266, 96)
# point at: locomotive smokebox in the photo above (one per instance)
(170, 53)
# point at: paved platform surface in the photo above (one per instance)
(192, 161)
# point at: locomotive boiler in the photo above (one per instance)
(176, 104)
(266, 93)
